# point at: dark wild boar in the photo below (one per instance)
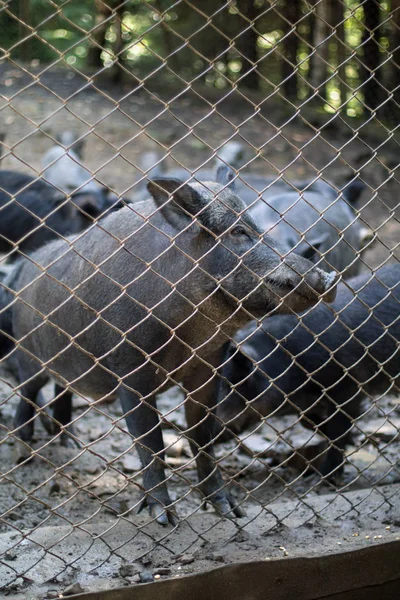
(33, 212)
(321, 366)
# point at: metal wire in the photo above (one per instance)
(278, 404)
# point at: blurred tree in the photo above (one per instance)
(370, 73)
(291, 13)
(320, 56)
(246, 43)
(337, 22)
(328, 46)
(308, 37)
(102, 11)
(119, 43)
(394, 68)
(212, 41)
(169, 39)
(25, 19)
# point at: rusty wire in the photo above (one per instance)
(71, 490)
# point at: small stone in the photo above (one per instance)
(96, 433)
(163, 571)
(157, 576)
(127, 570)
(146, 577)
(130, 463)
(52, 594)
(186, 559)
(175, 446)
(382, 429)
(217, 556)
(242, 536)
(92, 469)
(10, 555)
(134, 579)
(55, 488)
(254, 444)
(75, 588)
(17, 583)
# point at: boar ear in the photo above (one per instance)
(225, 176)
(311, 248)
(88, 203)
(353, 190)
(184, 201)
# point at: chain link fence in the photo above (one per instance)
(184, 188)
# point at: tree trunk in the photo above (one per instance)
(101, 25)
(246, 44)
(118, 45)
(25, 17)
(395, 48)
(291, 12)
(169, 40)
(210, 44)
(337, 21)
(371, 60)
(309, 40)
(320, 57)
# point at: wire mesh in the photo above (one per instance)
(251, 400)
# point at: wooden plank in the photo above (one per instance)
(372, 572)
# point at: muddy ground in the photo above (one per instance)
(70, 516)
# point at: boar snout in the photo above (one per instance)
(322, 283)
(301, 285)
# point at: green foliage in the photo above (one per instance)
(165, 36)
(58, 34)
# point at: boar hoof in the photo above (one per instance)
(162, 516)
(47, 421)
(226, 506)
(157, 511)
(24, 454)
(67, 441)
(332, 473)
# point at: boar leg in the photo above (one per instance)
(144, 425)
(63, 414)
(60, 410)
(202, 429)
(25, 414)
(337, 429)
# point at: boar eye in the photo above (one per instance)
(238, 230)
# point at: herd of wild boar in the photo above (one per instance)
(197, 280)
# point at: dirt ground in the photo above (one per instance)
(70, 516)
